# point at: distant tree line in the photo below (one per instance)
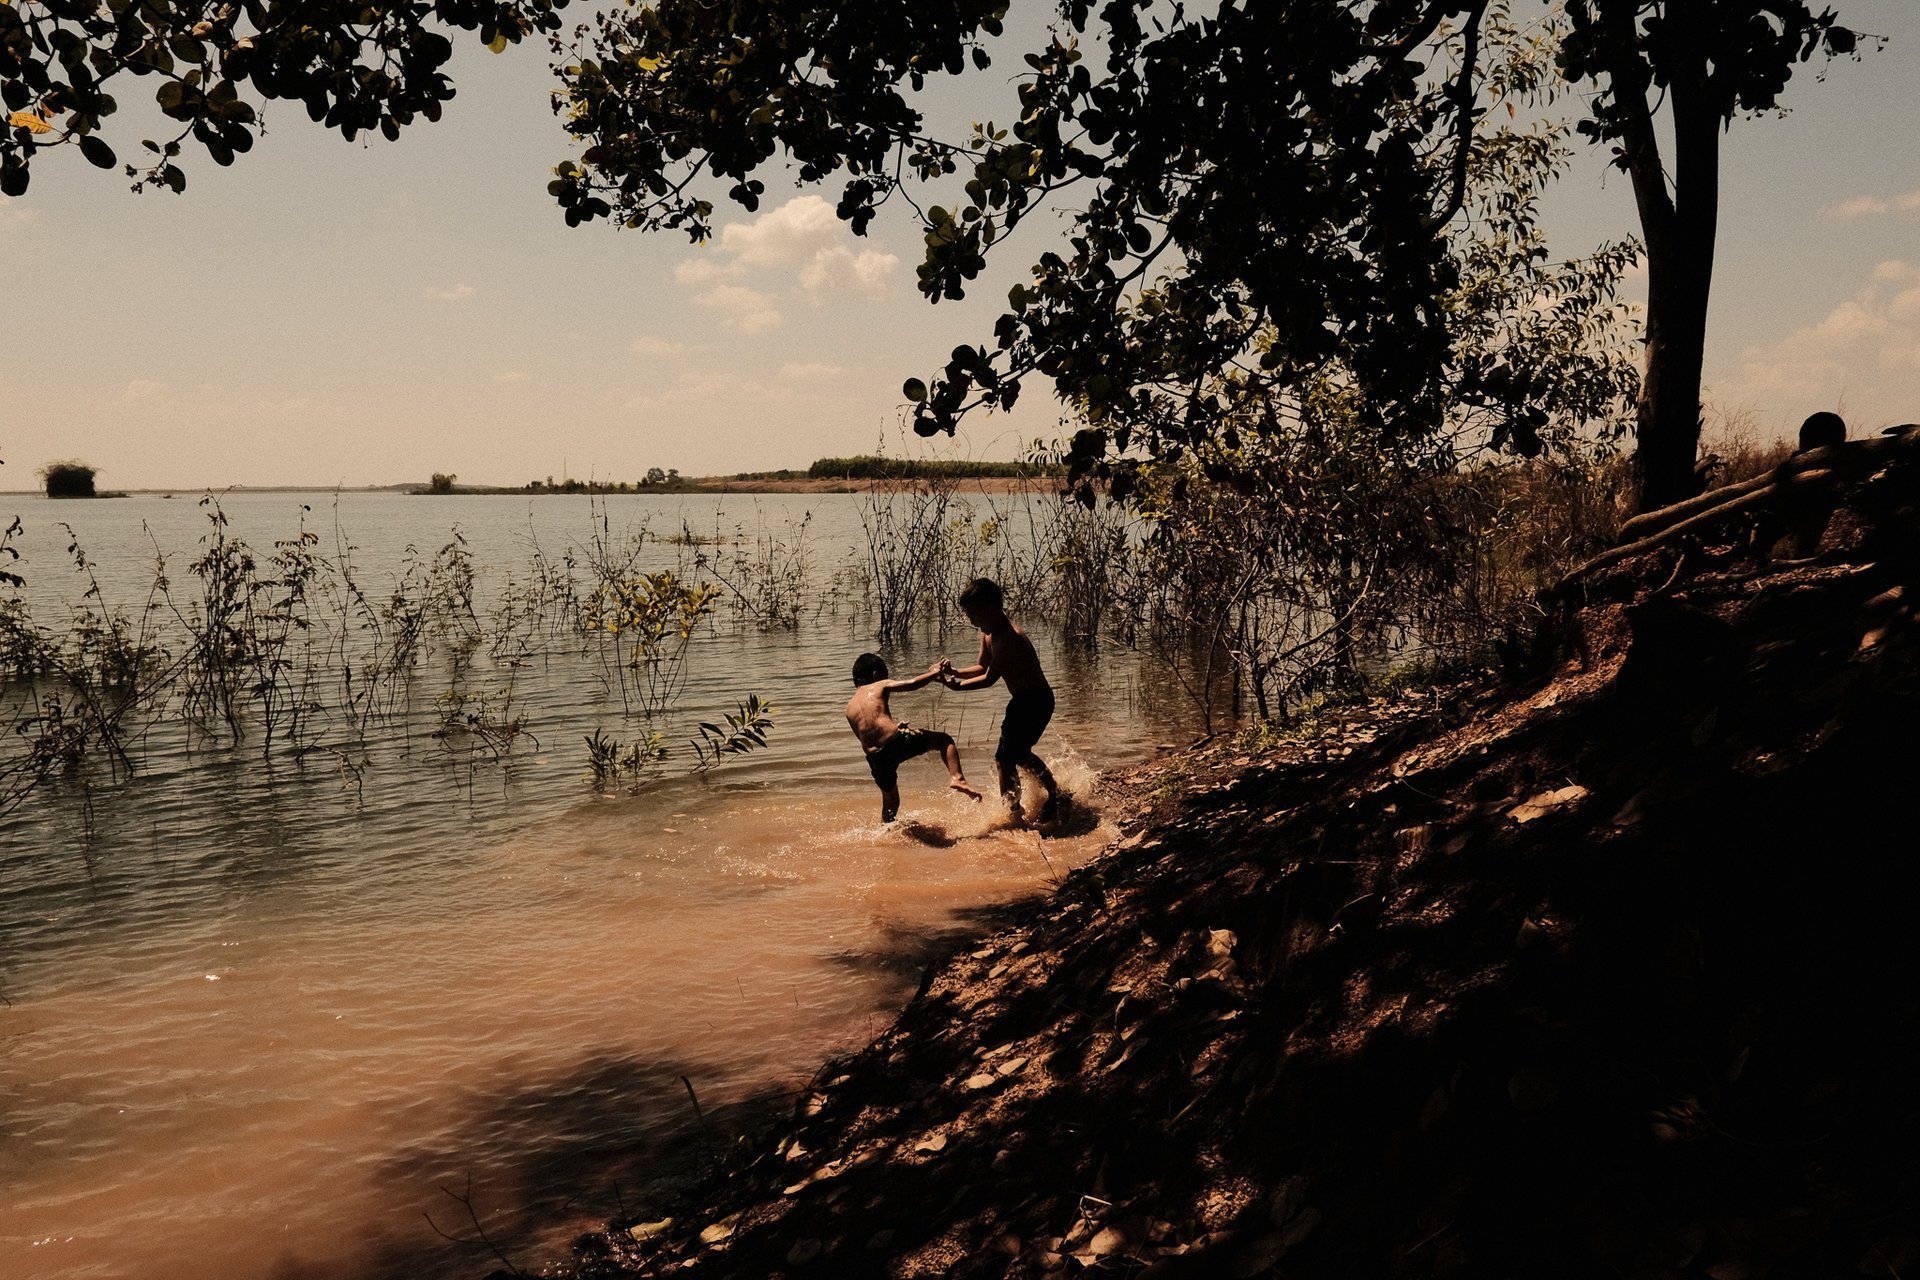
(655, 478)
(869, 466)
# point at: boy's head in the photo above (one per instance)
(869, 667)
(1822, 429)
(982, 599)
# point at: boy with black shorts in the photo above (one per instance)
(1007, 654)
(888, 741)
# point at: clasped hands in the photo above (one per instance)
(943, 672)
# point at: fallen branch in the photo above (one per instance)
(1792, 481)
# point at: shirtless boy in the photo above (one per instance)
(888, 741)
(1006, 654)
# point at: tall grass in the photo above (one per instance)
(294, 652)
(1253, 599)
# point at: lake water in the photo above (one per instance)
(284, 1014)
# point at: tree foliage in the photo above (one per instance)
(357, 66)
(1263, 196)
(1267, 168)
(68, 479)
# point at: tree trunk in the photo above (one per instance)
(1680, 241)
(1678, 225)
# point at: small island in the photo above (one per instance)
(71, 479)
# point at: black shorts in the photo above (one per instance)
(904, 743)
(1026, 719)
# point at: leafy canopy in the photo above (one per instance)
(1269, 191)
(356, 65)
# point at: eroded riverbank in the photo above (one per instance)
(1600, 970)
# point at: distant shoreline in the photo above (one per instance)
(727, 484)
(698, 485)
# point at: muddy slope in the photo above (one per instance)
(1606, 972)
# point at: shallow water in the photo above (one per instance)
(266, 1018)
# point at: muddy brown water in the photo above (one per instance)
(282, 1019)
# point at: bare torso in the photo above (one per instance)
(867, 712)
(1010, 656)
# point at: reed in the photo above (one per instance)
(295, 652)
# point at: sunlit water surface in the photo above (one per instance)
(277, 1018)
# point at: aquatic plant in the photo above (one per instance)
(768, 578)
(484, 720)
(609, 760)
(744, 730)
(649, 618)
(906, 543)
(12, 554)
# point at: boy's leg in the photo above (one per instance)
(889, 803)
(1039, 768)
(1010, 788)
(950, 754)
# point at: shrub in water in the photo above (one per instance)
(68, 479)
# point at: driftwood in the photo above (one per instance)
(1791, 484)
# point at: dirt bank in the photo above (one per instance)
(1605, 969)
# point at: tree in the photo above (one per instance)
(1703, 64)
(68, 479)
(441, 482)
(356, 65)
(1267, 189)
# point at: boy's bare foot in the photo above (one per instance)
(961, 785)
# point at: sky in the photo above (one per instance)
(332, 313)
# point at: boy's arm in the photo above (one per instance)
(925, 678)
(979, 675)
(980, 667)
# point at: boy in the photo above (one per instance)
(1007, 654)
(887, 741)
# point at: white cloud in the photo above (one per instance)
(1847, 325)
(868, 273)
(802, 242)
(458, 293)
(648, 345)
(512, 375)
(1862, 358)
(706, 271)
(1873, 206)
(783, 237)
(747, 310)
